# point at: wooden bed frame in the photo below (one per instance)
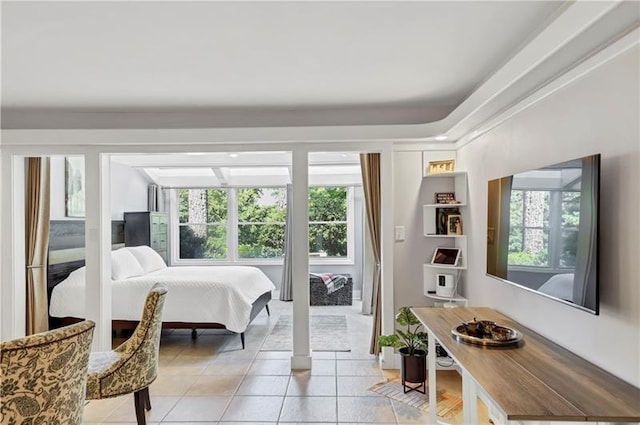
(65, 230)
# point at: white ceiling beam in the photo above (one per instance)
(220, 176)
(148, 175)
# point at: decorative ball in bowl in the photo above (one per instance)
(500, 333)
(479, 328)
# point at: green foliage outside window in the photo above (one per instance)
(202, 214)
(328, 221)
(261, 216)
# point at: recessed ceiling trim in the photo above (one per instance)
(619, 47)
(319, 138)
(576, 18)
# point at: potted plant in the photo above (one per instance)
(412, 345)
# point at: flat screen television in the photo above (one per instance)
(542, 231)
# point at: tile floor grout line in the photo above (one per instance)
(244, 376)
(358, 366)
(284, 398)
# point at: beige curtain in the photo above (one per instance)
(370, 165)
(37, 241)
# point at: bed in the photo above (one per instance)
(219, 297)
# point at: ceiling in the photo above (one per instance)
(191, 74)
(245, 64)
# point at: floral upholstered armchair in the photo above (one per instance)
(43, 376)
(133, 366)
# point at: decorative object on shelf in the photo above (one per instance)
(445, 285)
(412, 345)
(487, 333)
(454, 224)
(436, 167)
(441, 219)
(446, 257)
(446, 198)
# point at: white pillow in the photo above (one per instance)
(148, 258)
(124, 265)
(77, 277)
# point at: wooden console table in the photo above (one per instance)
(537, 381)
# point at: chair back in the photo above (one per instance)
(44, 376)
(138, 366)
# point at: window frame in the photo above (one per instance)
(174, 217)
(236, 234)
(233, 233)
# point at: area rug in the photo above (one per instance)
(448, 404)
(328, 333)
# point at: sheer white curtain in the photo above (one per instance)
(286, 286)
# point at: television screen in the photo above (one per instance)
(542, 231)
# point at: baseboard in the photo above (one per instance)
(301, 362)
(357, 295)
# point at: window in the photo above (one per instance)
(328, 222)
(202, 217)
(262, 214)
(543, 228)
(249, 223)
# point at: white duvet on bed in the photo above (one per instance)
(197, 294)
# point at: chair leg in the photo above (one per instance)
(267, 308)
(242, 339)
(139, 400)
(147, 399)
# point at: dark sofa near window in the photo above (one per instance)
(319, 292)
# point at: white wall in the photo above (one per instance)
(128, 190)
(409, 194)
(597, 114)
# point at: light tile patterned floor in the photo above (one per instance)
(213, 381)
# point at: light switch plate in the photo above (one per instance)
(399, 231)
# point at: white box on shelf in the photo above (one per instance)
(445, 284)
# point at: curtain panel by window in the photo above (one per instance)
(36, 243)
(370, 166)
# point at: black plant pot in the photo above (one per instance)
(414, 369)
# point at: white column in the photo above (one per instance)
(2, 309)
(299, 205)
(98, 247)
(13, 286)
(386, 241)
